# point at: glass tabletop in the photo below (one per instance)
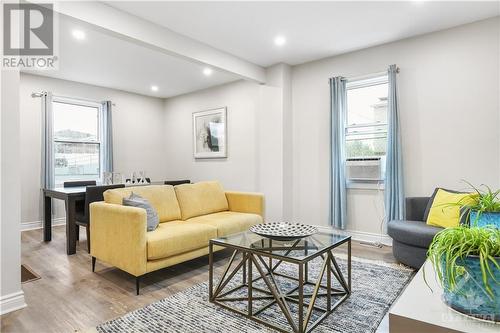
(302, 249)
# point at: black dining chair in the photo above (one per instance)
(92, 194)
(77, 183)
(79, 204)
(177, 182)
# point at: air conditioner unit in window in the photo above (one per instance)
(365, 168)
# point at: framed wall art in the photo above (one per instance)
(210, 133)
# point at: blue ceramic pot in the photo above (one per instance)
(484, 219)
(470, 297)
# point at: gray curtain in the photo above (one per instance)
(107, 141)
(394, 187)
(338, 100)
(47, 167)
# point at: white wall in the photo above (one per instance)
(238, 170)
(269, 133)
(253, 136)
(280, 76)
(449, 100)
(11, 294)
(138, 134)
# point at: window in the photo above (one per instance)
(366, 121)
(77, 134)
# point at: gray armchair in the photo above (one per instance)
(411, 237)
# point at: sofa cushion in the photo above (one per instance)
(200, 199)
(228, 222)
(177, 237)
(161, 197)
(414, 233)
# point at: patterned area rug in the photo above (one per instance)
(375, 286)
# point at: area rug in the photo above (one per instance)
(375, 286)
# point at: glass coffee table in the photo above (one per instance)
(252, 276)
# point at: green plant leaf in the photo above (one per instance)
(452, 245)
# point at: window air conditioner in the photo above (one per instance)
(365, 168)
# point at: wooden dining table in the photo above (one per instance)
(70, 195)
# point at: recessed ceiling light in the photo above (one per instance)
(154, 88)
(78, 34)
(207, 71)
(279, 40)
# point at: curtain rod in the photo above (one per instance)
(40, 94)
(37, 94)
(368, 76)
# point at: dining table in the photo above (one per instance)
(70, 196)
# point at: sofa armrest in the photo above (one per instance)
(118, 236)
(415, 208)
(246, 202)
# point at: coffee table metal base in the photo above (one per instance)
(265, 267)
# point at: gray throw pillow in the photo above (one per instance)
(137, 201)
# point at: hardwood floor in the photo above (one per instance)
(69, 297)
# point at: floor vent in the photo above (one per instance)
(28, 275)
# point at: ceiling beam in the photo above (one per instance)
(156, 37)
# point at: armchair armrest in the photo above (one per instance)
(246, 202)
(118, 236)
(415, 208)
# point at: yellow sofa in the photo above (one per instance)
(190, 215)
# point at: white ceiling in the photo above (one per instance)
(108, 61)
(313, 30)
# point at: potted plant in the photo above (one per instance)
(467, 265)
(482, 207)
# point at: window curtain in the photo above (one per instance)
(338, 100)
(107, 141)
(47, 167)
(394, 189)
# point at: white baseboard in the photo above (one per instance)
(39, 224)
(365, 236)
(370, 237)
(12, 302)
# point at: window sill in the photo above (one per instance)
(379, 186)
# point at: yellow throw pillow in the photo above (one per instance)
(444, 212)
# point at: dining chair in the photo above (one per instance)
(177, 182)
(77, 183)
(92, 194)
(79, 204)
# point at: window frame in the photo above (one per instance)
(358, 83)
(100, 132)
